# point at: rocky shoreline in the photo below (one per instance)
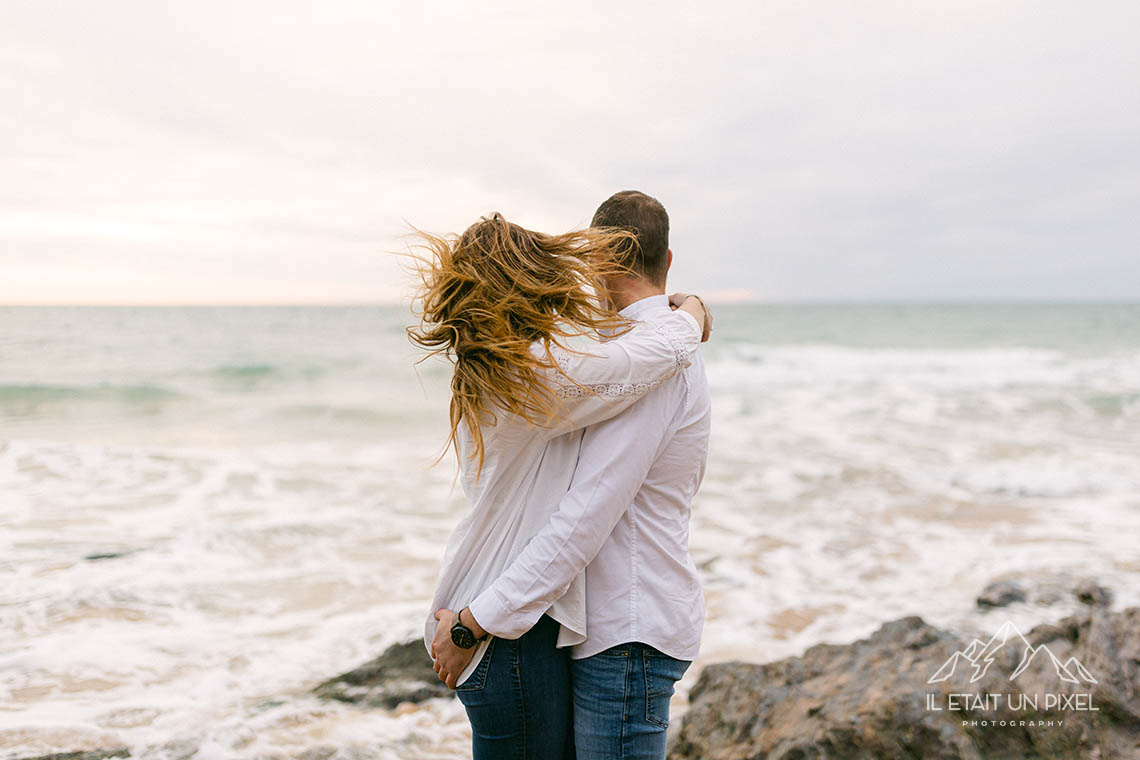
(913, 691)
(910, 690)
(403, 673)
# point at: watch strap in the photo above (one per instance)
(459, 622)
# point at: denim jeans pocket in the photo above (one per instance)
(478, 678)
(661, 673)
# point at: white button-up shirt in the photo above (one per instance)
(625, 520)
(527, 469)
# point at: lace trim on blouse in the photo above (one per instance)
(564, 389)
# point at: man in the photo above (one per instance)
(625, 519)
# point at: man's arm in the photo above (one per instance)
(613, 462)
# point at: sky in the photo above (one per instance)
(279, 152)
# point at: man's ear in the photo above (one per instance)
(668, 258)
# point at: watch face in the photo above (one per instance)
(462, 637)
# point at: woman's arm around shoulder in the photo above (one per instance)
(605, 379)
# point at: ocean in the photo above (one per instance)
(206, 511)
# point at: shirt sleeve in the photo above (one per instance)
(613, 462)
(611, 376)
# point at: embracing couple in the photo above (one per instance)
(568, 605)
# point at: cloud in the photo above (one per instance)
(274, 151)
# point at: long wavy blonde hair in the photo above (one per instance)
(487, 295)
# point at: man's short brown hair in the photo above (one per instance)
(645, 216)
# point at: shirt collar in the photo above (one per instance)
(641, 308)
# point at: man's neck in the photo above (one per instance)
(628, 290)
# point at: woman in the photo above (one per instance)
(502, 303)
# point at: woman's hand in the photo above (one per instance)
(696, 308)
(450, 660)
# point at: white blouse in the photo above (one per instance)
(527, 469)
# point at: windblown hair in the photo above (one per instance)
(487, 295)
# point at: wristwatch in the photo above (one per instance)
(462, 636)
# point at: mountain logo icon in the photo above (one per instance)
(977, 658)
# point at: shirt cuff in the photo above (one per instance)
(492, 614)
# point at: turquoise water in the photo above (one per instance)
(1072, 327)
(345, 371)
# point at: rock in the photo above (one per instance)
(874, 699)
(403, 673)
(109, 554)
(1001, 593)
(1091, 593)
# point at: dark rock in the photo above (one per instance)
(871, 700)
(1001, 593)
(1091, 593)
(403, 673)
(93, 754)
(107, 555)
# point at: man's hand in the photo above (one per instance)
(701, 313)
(450, 660)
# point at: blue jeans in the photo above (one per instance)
(621, 702)
(518, 698)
